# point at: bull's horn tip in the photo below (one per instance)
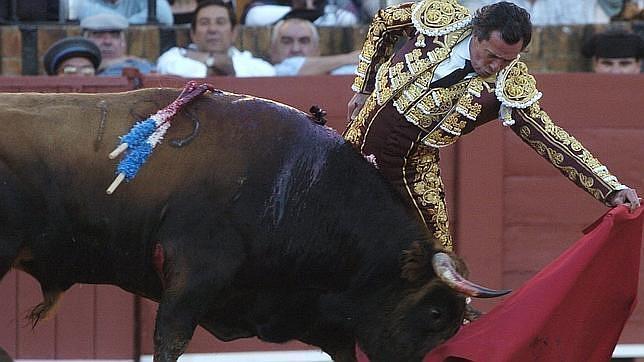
(493, 293)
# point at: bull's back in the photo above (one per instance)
(64, 139)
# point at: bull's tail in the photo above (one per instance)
(45, 309)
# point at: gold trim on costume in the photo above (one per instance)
(355, 128)
(515, 87)
(439, 17)
(566, 153)
(427, 189)
(386, 26)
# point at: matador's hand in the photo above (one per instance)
(355, 105)
(626, 197)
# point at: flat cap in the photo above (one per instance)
(68, 48)
(104, 22)
(614, 44)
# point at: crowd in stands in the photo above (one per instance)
(211, 52)
(570, 12)
(320, 12)
(294, 46)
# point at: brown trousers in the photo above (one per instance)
(382, 134)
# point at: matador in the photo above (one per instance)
(430, 72)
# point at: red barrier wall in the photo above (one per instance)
(511, 212)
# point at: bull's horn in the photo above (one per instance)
(446, 271)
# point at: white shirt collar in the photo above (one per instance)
(462, 50)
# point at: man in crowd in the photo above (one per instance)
(453, 73)
(295, 50)
(320, 12)
(74, 56)
(615, 52)
(561, 12)
(107, 31)
(136, 11)
(213, 30)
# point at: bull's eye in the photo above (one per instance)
(435, 314)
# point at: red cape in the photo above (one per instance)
(573, 310)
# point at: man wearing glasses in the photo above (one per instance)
(72, 56)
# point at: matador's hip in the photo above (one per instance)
(385, 137)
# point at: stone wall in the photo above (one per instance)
(553, 49)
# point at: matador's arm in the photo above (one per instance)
(516, 89)
(563, 151)
(387, 26)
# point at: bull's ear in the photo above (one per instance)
(415, 263)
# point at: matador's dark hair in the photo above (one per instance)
(512, 21)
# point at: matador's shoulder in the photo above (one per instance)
(439, 17)
(516, 87)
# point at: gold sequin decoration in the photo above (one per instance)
(556, 159)
(436, 17)
(516, 87)
(453, 124)
(564, 138)
(379, 43)
(427, 188)
(355, 128)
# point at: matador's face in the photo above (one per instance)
(490, 56)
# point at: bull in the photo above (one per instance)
(265, 224)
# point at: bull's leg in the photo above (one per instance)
(10, 255)
(16, 212)
(194, 272)
(6, 259)
(175, 325)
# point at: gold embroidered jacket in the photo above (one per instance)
(403, 76)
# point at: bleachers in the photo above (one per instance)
(553, 49)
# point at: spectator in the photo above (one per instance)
(213, 29)
(615, 52)
(633, 10)
(320, 12)
(136, 11)
(371, 7)
(183, 10)
(295, 50)
(107, 31)
(561, 12)
(30, 10)
(72, 56)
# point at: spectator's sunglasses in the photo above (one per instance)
(70, 69)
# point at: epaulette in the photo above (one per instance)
(439, 17)
(515, 87)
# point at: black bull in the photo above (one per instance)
(266, 224)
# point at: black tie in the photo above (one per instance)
(453, 77)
